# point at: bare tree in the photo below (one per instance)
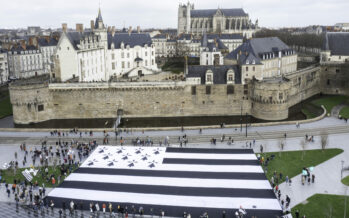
(303, 145)
(324, 140)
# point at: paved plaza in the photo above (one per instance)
(328, 173)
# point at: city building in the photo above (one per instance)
(261, 58)
(194, 21)
(335, 48)
(4, 75)
(25, 61)
(341, 27)
(98, 54)
(47, 46)
(212, 53)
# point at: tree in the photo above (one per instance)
(324, 139)
(303, 145)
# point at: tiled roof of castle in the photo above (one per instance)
(254, 49)
(224, 36)
(337, 43)
(234, 12)
(132, 39)
(74, 37)
(219, 73)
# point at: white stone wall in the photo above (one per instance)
(4, 74)
(68, 59)
(207, 57)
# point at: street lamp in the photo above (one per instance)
(246, 124)
(241, 119)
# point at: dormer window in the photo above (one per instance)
(253, 61)
(209, 77)
(247, 62)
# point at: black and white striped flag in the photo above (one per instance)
(174, 180)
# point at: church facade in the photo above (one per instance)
(228, 21)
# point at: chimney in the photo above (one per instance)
(113, 31)
(23, 45)
(130, 30)
(30, 41)
(80, 27)
(92, 24)
(64, 27)
(138, 29)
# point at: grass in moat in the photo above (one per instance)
(344, 112)
(290, 163)
(308, 114)
(345, 181)
(321, 205)
(330, 101)
(5, 104)
(9, 176)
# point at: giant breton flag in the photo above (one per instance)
(175, 180)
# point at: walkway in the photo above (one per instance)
(337, 109)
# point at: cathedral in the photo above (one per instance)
(226, 21)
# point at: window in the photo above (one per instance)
(328, 82)
(128, 64)
(152, 62)
(128, 55)
(193, 90)
(146, 63)
(113, 66)
(230, 77)
(281, 96)
(40, 107)
(254, 68)
(112, 56)
(208, 90)
(123, 65)
(209, 78)
(246, 69)
(338, 70)
(122, 54)
(230, 89)
(146, 53)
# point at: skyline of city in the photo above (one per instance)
(124, 14)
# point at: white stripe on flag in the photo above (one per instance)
(169, 181)
(191, 167)
(210, 156)
(167, 200)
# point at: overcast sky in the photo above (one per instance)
(163, 13)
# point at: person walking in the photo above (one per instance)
(286, 179)
(104, 206)
(313, 178)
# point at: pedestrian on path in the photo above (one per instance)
(312, 178)
(286, 179)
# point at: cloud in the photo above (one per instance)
(163, 13)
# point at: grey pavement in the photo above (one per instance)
(328, 174)
(337, 109)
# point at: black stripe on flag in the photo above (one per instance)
(209, 161)
(171, 190)
(172, 211)
(174, 174)
(209, 150)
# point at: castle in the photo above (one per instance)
(258, 78)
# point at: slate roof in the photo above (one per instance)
(132, 39)
(43, 42)
(74, 37)
(254, 49)
(224, 36)
(219, 73)
(234, 12)
(337, 43)
(160, 36)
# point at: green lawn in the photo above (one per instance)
(330, 101)
(345, 181)
(291, 164)
(9, 176)
(308, 114)
(344, 112)
(321, 205)
(5, 107)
